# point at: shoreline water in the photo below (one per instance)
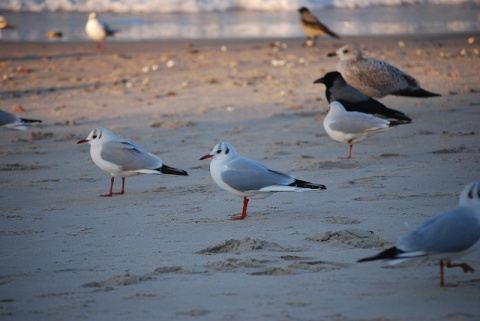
(417, 19)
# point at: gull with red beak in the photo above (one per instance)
(248, 178)
(121, 157)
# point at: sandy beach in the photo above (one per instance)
(166, 250)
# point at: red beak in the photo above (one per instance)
(206, 156)
(82, 141)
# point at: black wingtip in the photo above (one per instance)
(30, 121)
(390, 253)
(172, 171)
(304, 184)
(418, 93)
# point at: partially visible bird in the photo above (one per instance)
(250, 179)
(376, 78)
(12, 121)
(5, 25)
(445, 236)
(352, 126)
(121, 157)
(312, 27)
(352, 99)
(98, 31)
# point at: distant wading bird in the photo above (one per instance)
(376, 78)
(98, 31)
(352, 99)
(121, 157)
(448, 235)
(248, 178)
(312, 27)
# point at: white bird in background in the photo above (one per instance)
(12, 121)
(448, 235)
(4, 25)
(248, 178)
(121, 157)
(312, 27)
(376, 78)
(98, 31)
(351, 126)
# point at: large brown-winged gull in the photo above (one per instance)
(376, 78)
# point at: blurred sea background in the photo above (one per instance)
(140, 20)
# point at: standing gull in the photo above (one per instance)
(122, 158)
(250, 179)
(98, 31)
(12, 121)
(352, 99)
(376, 78)
(312, 27)
(447, 235)
(352, 126)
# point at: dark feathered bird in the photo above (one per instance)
(312, 27)
(352, 99)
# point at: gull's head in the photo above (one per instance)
(470, 196)
(97, 135)
(92, 15)
(347, 52)
(221, 150)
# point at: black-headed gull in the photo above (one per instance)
(121, 157)
(312, 27)
(352, 126)
(98, 31)
(352, 99)
(248, 178)
(376, 78)
(12, 121)
(5, 25)
(448, 235)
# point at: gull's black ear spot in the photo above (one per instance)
(227, 150)
(470, 194)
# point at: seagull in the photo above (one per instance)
(121, 157)
(248, 178)
(98, 31)
(451, 234)
(312, 27)
(352, 99)
(12, 121)
(5, 25)
(376, 78)
(352, 126)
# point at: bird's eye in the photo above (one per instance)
(94, 136)
(345, 51)
(219, 151)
